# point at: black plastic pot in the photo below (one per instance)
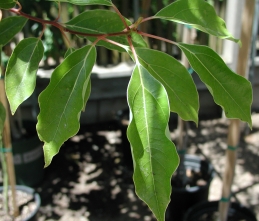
(184, 198)
(28, 157)
(36, 198)
(207, 211)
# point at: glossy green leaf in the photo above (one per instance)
(9, 27)
(6, 4)
(99, 22)
(88, 89)
(69, 51)
(181, 90)
(229, 90)
(2, 117)
(154, 155)
(20, 80)
(199, 14)
(63, 100)
(86, 2)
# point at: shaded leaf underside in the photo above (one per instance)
(68, 89)
(229, 90)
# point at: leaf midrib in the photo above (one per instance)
(148, 137)
(213, 76)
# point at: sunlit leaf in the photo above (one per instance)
(199, 14)
(154, 155)
(229, 90)
(63, 100)
(86, 2)
(6, 4)
(181, 90)
(9, 27)
(2, 117)
(21, 71)
(99, 22)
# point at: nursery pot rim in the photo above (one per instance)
(35, 195)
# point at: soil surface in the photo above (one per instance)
(91, 177)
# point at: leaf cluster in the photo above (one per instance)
(159, 84)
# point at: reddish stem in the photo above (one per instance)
(114, 42)
(59, 12)
(62, 28)
(156, 37)
(147, 19)
(121, 17)
(133, 50)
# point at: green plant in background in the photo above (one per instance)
(159, 83)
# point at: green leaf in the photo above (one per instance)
(103, 22)
(7, 4)
(154, 155)
(88, 89)
(9, 27)
(199, 14)
(21, 71)
(229, 90)
(69, 51)
(2, 118)
(63, 100)
(86, 2)
(181, 90)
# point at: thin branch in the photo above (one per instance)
(121, 17)
(59, 12)
(64, 29)
(133, 50)
(42, 32)
(156, 37)
(20, 6)
(114, 43)
(147, 19)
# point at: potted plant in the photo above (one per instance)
(17, 201)
(159, 83)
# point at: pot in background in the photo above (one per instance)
(182, 198)
(31, 206)
(28, 156)
(208, 211)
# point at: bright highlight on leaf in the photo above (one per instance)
(86, 2)
(179, 85)
(21, 71)
(63, 100)
(154, 155)
(199, 14)
(9, 27)
(229, 90)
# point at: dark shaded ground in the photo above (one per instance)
(91, 179)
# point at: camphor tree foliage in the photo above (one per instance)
(159, 83)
